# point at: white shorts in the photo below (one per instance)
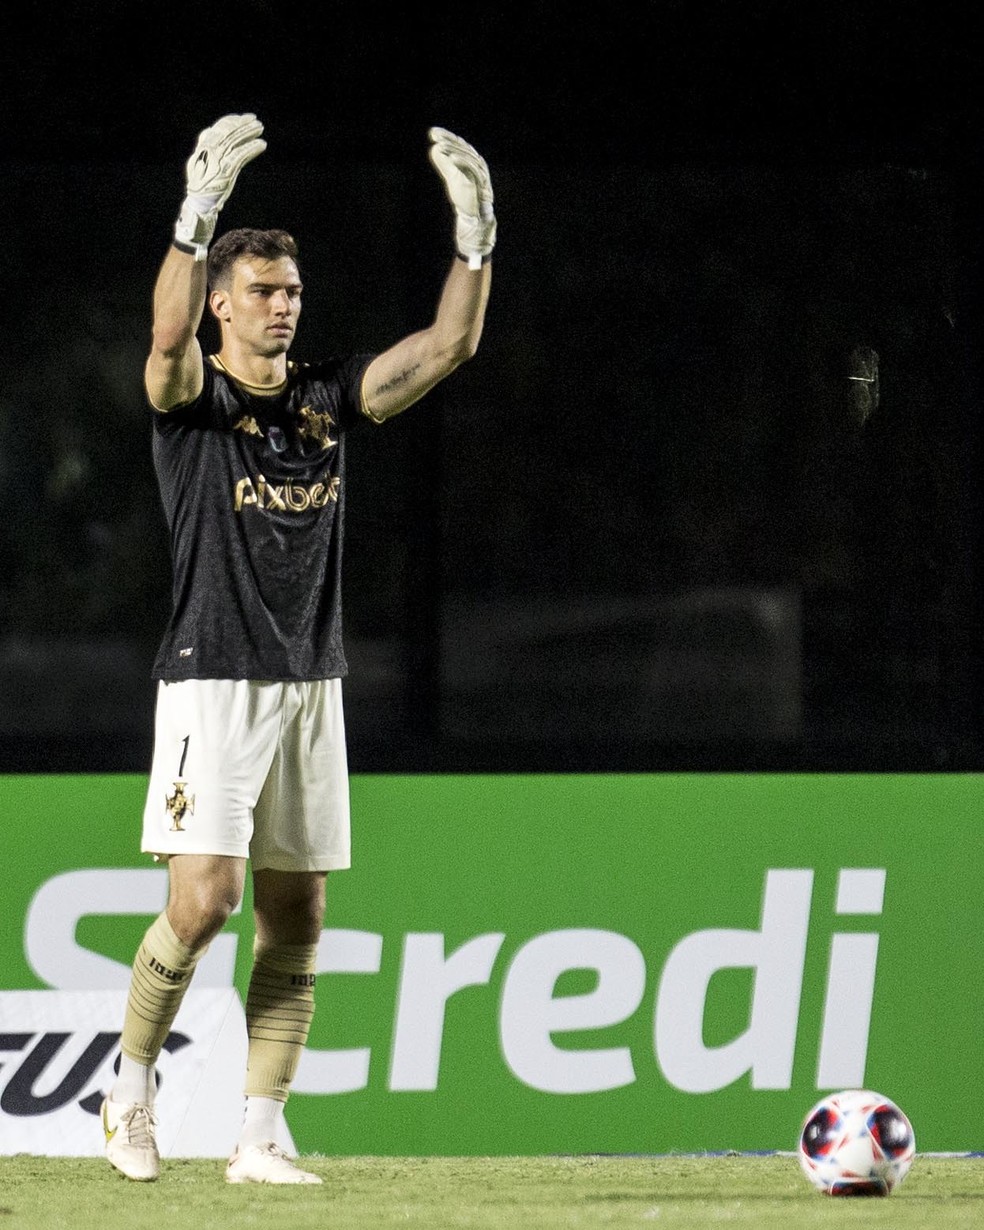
(252, 770)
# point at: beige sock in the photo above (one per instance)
(279, 1009)
(161, 974)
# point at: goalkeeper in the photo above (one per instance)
(249, 762)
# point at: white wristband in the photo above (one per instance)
(195, 226)
(474, 238)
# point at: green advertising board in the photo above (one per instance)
(542, 964)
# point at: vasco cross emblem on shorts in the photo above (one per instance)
(179, 805)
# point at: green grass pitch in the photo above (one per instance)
(521, 1193)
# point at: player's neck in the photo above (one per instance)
(257, 372)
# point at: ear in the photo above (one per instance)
(218, 302)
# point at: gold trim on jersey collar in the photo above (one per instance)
(261, 390)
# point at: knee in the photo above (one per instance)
(199, 912)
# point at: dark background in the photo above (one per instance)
(653, 525)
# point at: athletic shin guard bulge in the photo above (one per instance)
(161, 973)
(279, 1010)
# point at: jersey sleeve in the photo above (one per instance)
(350, 376)
(204, 411)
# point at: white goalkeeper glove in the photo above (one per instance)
(210, 174)
(469, 189)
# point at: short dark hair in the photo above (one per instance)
(246, 241)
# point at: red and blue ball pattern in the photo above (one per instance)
(856, 1143)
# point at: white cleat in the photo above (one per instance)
(130, 1143)
(266, 1163)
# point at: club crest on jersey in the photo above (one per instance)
(248, 425)
(285, 497)
(179, 805)
(316, 427)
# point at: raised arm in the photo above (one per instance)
(402, 374)
(173, 371)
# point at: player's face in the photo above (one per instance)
(262, 305)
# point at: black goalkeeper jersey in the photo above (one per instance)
(253, 489)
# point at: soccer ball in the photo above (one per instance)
(856, 1143)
